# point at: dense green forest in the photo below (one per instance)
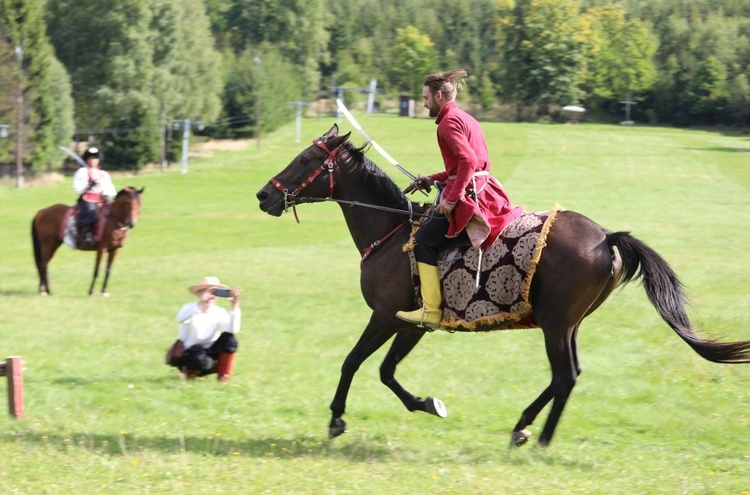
(129, 75)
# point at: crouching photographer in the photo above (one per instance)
(206, 341)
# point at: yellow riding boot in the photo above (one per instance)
(430, 314)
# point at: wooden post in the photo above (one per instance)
(12, 369)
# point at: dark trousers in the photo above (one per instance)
(86, 213)
(198, 358)
(430, 240)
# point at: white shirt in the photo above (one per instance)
(197, 327)
(81, 182)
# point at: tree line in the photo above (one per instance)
(121, 74)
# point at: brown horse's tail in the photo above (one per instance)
(665, 291)
(37, 246)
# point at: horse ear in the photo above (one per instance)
(140, 191)
(332, 132)
(337, 141)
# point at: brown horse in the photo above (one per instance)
(581, 265)
(46, 229)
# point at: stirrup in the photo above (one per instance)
(421, 323)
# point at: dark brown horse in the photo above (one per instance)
(581, 265)
(121, 215)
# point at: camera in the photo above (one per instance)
(223, 292)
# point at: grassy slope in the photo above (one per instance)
(648, 416)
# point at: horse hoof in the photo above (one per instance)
(519, 438)
(435, 407)
(337, 428)
(44, 293)
(105, 293)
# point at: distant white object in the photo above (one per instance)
(573, 108)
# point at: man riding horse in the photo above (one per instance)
(475, 205)
(94, 188)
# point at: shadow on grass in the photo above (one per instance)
(359, 450)
(723, 149)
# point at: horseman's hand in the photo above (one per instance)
(419, 184)
(445, 207)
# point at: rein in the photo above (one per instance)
(411, 213)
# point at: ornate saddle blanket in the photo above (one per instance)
(501, 301)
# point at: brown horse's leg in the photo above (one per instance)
(375, 335)
(99, 253)
(110, 259)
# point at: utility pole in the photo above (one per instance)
(186, 124)
(259, 103)
(163, 139)
(371, 95)
(3, 135)
(299, 105)
(19, 121)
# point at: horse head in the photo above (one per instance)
(127, 206)
(309, 175)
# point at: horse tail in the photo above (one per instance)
(666, 293)
(37, 245)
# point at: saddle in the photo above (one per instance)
(501, 302)
(70, 234)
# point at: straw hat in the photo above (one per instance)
(206, 283)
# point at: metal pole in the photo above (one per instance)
(259, 130)
(163, 139)
(298, 124)
(185, 137)
(371, 95)
(19, 122)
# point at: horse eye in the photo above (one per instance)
(305, 160)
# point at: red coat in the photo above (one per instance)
(465, 153)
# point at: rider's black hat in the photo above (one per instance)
(92, 151)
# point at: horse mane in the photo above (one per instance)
(372, 175)
(127, 190)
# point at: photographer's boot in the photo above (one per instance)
(224, 366)
(430, 314)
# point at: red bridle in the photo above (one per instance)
(290, 197)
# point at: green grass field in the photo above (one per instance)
(104, 415)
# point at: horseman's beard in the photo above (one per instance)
(434, 109)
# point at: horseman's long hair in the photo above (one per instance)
(447, 83)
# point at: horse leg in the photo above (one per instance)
(561, 351)
(44, 250)
(404, 342)
(565, 370)
(375, 335)
(110, 259)
(576, 274)
(96, 269)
